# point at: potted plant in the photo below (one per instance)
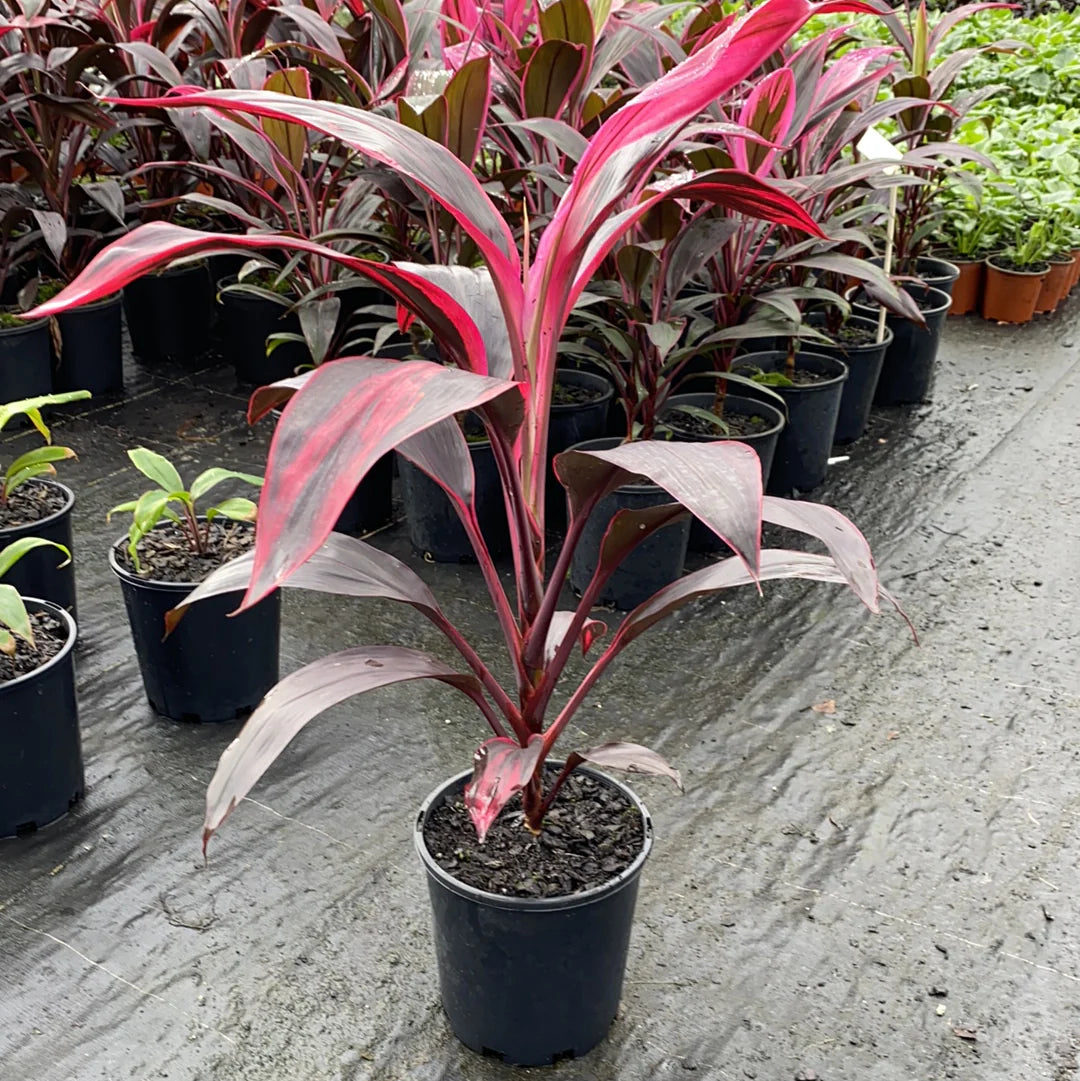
(317, 442)
(967, 234)
(209, 668)
(41, 769)
(1014, 277)
(32, 504)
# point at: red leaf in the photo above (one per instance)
(302, 696)
(501, 768)
(561, 623)
(345, 417)
(768, 111)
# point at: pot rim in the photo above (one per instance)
(160, 584)
(24, 328)
(238, 298)
(65, 650)
(868, 346)
(532, 904)
(593, 378)
(95, 305)
(778, 419)
(1017, 273)
(15, 531)
(607, 442)
(949, 264)
(849, 296)
(808, 388)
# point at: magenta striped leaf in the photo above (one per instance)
(156, 245)
(501, 768)
(768, 110)
(302, 696)
(345, 417)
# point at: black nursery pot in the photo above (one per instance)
(802, 452)
(25, 361)
(702, 538)
(935, 272)
(169, 314)
(38, 573)
(574, 423)
(908, 369)
(864, 369)
(41, 767)
(212, 667)
(246, 322)
(653, 564)
(530, 981)
(434, 527)
(91, 352)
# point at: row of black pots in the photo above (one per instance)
(89, 357)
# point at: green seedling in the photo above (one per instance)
(14, 619)
(37, 462)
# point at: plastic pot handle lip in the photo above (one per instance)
(12, 532)
(532, 904)
(36, 604)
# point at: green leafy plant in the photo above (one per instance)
(14, 619)
(39, 461)
(174, 502)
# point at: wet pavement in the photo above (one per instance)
(887, 891)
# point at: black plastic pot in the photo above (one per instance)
(91, 349)
(802, 452)
(702, 538)
(434, 527)
(653, 564)
(25, 361)
(246, 322)
(41, 768)
(212, 667)
(864, 369)
(530, 981)
(169, 314)
(38, 573)
(574, 423)
(908, 368)
(933, 271)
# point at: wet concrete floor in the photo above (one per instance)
(885, 892)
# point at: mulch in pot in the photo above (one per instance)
(166, 555)
(31, 502)
(591, 834)
(736, 424)
(50, 636)
(574, 394)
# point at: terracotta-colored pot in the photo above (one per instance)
(1009, 296)
(967, 292)
(1055, 285)
(1075, 279)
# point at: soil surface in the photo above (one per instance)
(1002, 262)
(574, 394)
(849, 336)
(591, 834)
(31, 502)
(50, 634)
(694, 424)
(166, 553)
(825, 876)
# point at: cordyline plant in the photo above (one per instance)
(498, 327)
(38, 462)
(14, 619)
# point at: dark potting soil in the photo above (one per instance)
(50, 634)
(572, 394)
(849, 336)
(31, 502)
(166, 554)
(1004, 263)
(683, 423)
(591, 834)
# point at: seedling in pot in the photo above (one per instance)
(37, 462)
(14, 619)
(171, 501)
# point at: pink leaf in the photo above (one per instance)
(561, 623)
(501, 768)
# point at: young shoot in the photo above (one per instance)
(14, 619)
(175, 503)
(39, 461)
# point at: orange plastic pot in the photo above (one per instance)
(1075, 270)
(1009, 296)
(1055, 286)
(967, 292)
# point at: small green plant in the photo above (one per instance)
(14, 620)
(37, 462)
(175, 503)
(1032, 245)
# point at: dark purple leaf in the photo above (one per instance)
(631, 757)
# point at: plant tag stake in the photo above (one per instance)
(874, 145)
